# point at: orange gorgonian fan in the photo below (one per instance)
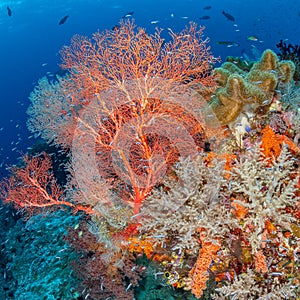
(129, 100)
(33, 187)
(115, 56)
(135, 117)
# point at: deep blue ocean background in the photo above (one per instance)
(31, 38)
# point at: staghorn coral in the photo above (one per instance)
(243, 92)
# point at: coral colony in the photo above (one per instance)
(183, 178)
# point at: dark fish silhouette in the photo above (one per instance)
(228, 16)
(128, 15)
(9, 12)
(63, 20)
(204, 18)
(207, 7)
(207, 147)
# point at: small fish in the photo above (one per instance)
(228, 16)
(154, 22)
(204, 18)
(265, 102)
(252, 38)
(207, 7)
(63, 20)
(184, 17)
(228, 43)
(128, 15)
(9, 12)
(276, 274)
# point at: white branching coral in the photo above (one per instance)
(244, 287)
(246, 210)
(176, 211)
(265, 189)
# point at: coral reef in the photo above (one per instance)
(39, 259)
(166, 207)
(119, 93)
(104, 273)
(249, 213)
(8, 219)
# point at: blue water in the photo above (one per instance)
(30, 40)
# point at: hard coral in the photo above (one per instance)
(244, 92)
